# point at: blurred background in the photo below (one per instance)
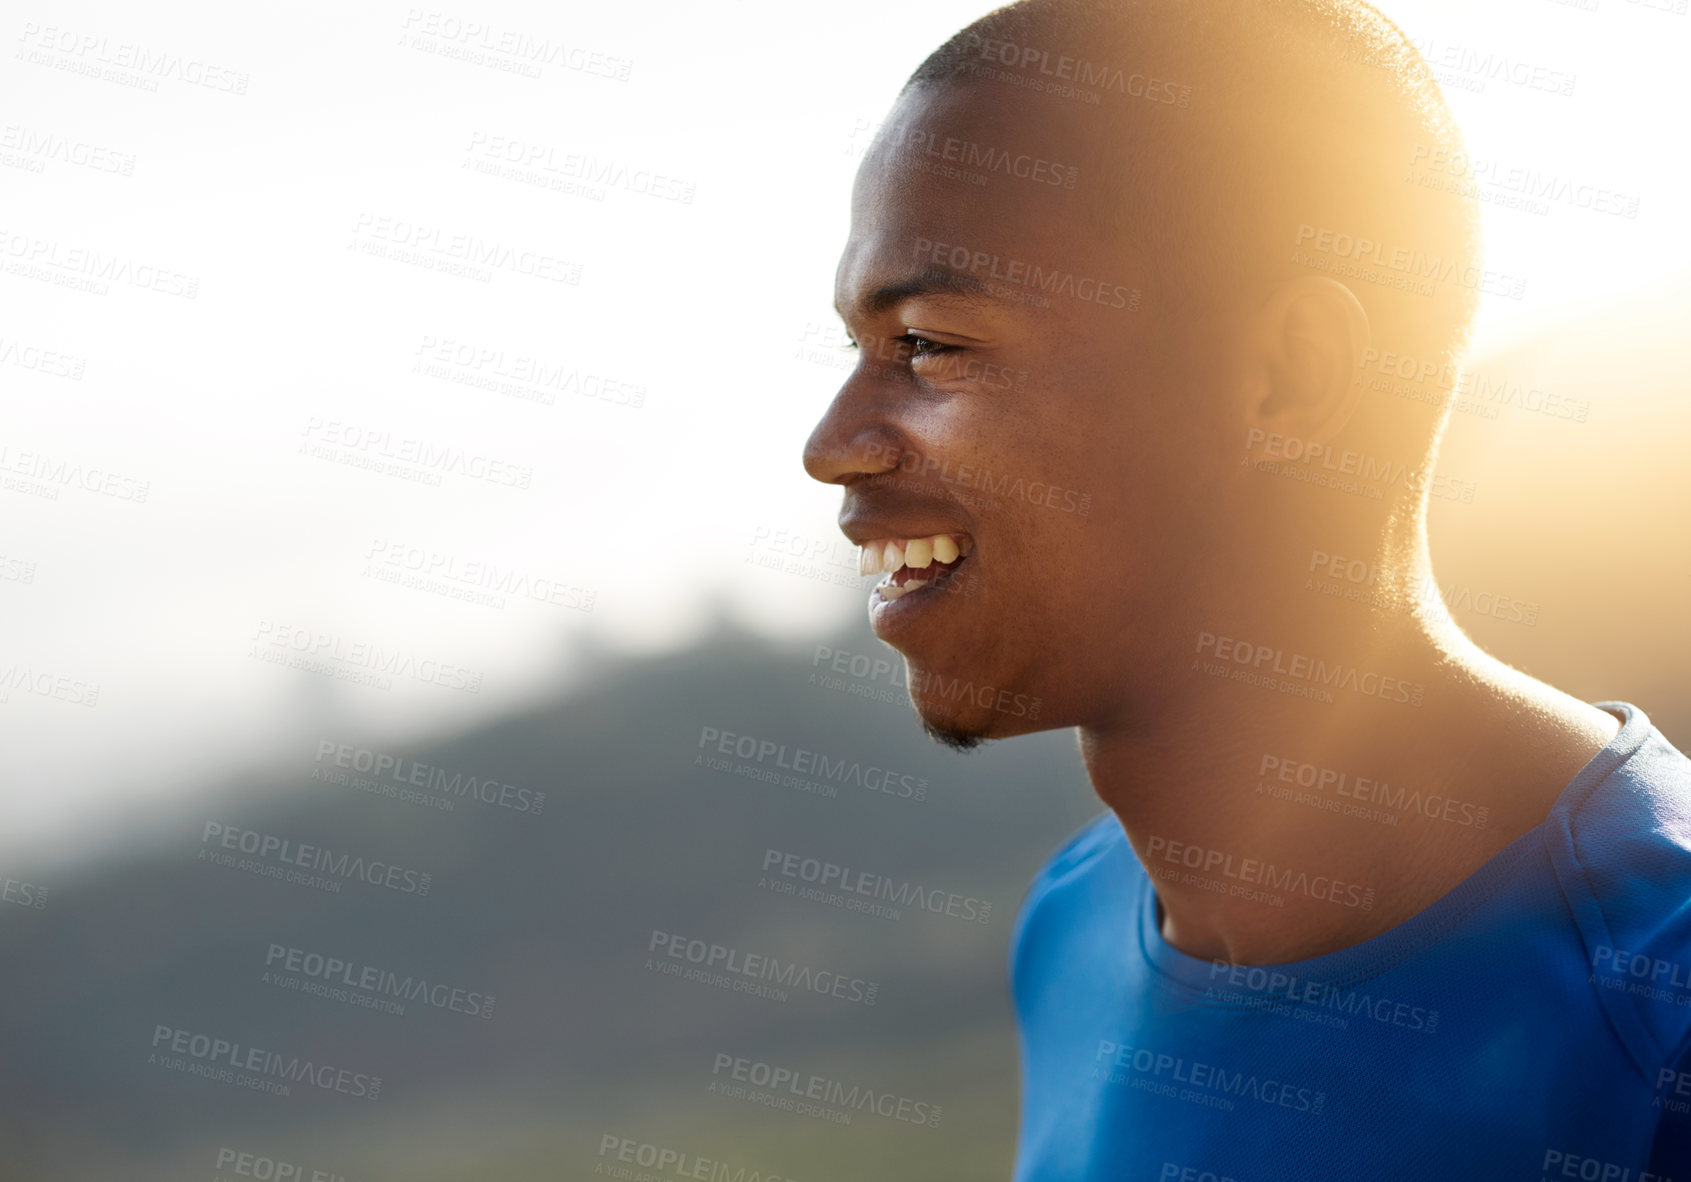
(401, 498)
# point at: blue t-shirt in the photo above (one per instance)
(1532, 1024)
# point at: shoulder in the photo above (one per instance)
(1624, 825)
(1091, 842)
(1061, 885)
(1621, 845)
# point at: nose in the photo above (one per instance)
(854, 437)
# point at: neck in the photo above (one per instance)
(1279, 825)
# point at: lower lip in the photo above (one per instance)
(889, 619)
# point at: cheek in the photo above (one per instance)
(1098, 481)
(954, 427)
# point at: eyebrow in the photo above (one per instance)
(937, 281)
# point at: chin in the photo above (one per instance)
(964, 725)
(957, 740)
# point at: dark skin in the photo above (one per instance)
(1100, 616)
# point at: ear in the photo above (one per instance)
(1310, 338)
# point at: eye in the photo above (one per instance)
(905, 347)
(922, 346)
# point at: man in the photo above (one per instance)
(1367, 903)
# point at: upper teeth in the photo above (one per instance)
(888, 554)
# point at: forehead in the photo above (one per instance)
(973, 178)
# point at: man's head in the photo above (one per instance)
(1098, 252)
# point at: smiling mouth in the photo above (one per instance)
(911, 564)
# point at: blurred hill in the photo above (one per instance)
(553, 915)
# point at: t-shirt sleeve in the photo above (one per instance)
(1083, 845)
(1623, 858)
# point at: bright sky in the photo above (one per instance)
(252, 412)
